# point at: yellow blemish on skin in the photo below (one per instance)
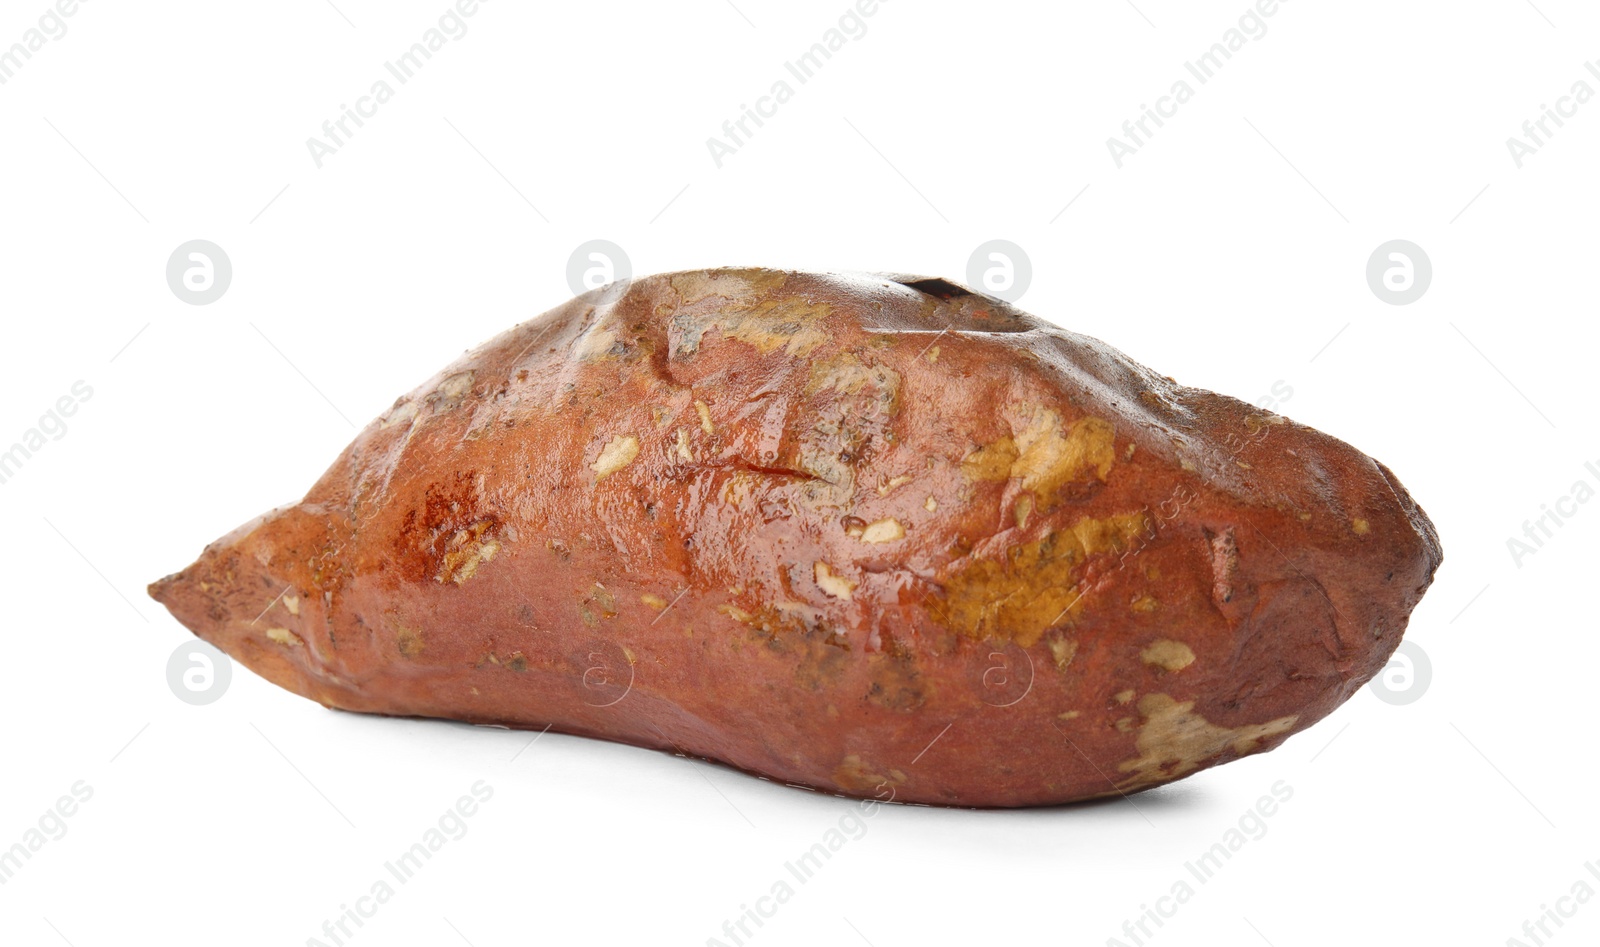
(516, 662)
(729, 283)
(1100, 535)
(1033, 587)
(736, 613)
(1069, 715)
(931, 505)
(654, 601)
(993, 462)
(835, 585)
(933, 355)
(618, 453)
(1143, 603)
(405, 412)
(753, 314)
(705, 417)
(409, 641)
(789, 323)
(468, 549)
(1122, 697)
(1186, 464)
(848, 375)
(452, 391)
(1046, 455)
(857, 776)
(1175, 741)
(1127, 455)
(1360, 526)
(1125, 724)
(1063, 650)
(741, 488)
(883, 531)
(284, 636)
(292, 603)
(683, 446)
(1167, 654)
(900, 481)
(1023, 509)
(603, 597)
(1243, 466)
(598, 340)
(1304, 517)
(1048, 458)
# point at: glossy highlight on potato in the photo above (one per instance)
(874, 535)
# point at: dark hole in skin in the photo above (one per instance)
(937, 288)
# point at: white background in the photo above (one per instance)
(1229, 253)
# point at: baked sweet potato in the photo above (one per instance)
(879, 536)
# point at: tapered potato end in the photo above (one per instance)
(246, 595)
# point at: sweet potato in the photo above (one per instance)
(878, 536)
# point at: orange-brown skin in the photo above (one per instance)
(1047, 573)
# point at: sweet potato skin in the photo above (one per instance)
(877, 536)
